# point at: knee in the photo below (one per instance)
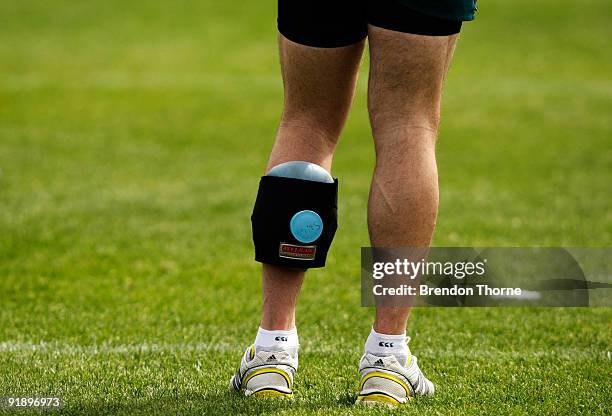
(406, 119)
(322, 128)
(398, 136)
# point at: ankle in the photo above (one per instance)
(389, 344)
(276, 323)
(276, 340)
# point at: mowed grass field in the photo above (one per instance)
(132, 138)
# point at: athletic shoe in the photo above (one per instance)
(385, 381)
(266, 373)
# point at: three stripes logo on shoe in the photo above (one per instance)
(385, 344)
(271, 358)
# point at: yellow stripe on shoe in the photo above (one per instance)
(268, 370)
(271, 393)
(377, 398)
(388, 377)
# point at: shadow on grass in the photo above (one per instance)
(224, 403)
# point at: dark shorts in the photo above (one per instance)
(335, 23)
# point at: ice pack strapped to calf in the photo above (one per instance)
(294, 221)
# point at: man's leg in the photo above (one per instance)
(319, 84)
(406, 76)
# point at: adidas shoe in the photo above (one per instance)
(385, 381)
(266, 373)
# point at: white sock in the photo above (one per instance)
(276, 340)
(384, 345)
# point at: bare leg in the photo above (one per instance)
(319, 86)
(406, 78)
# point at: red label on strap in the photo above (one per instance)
(291, 251)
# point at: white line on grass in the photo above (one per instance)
(61, 348)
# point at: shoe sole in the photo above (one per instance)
(271, 393)
(264, 392)
(377, 398)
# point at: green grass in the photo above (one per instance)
(132, 136)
